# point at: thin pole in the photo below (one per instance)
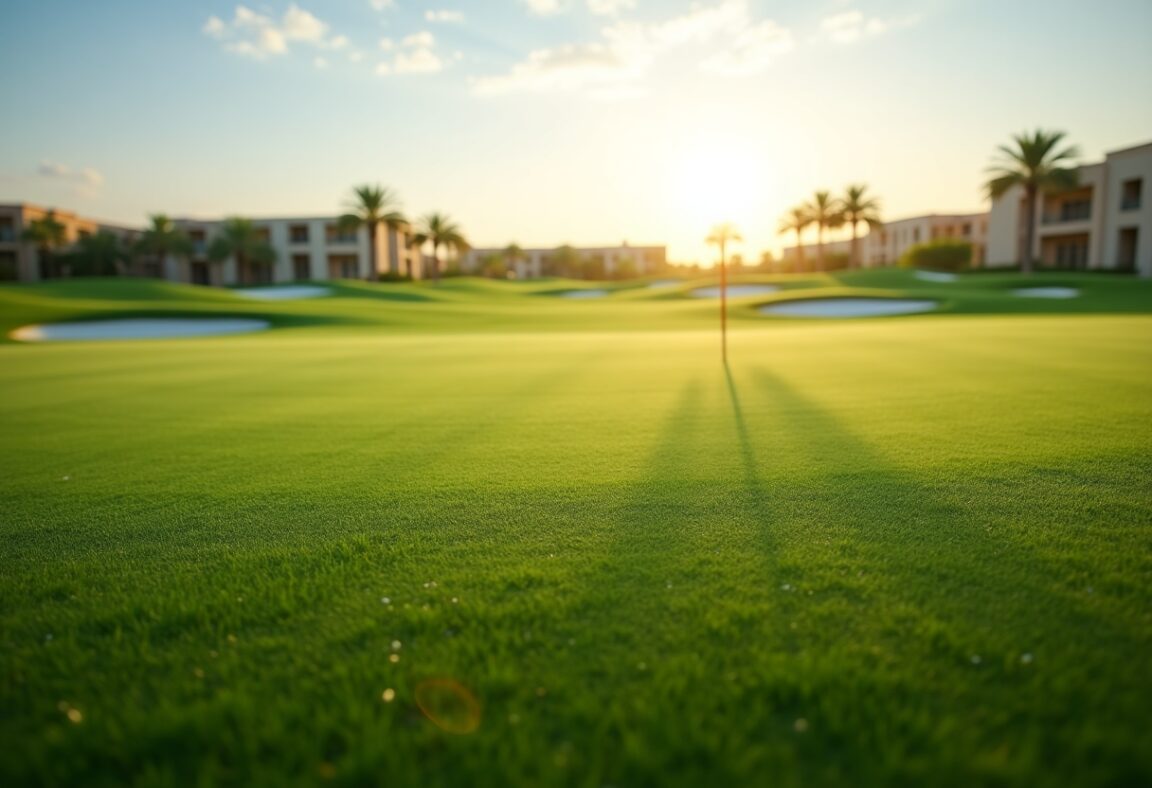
(723, 305)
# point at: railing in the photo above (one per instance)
(1068, 214)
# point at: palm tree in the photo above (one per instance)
(370, 207)
(1034, 164)
(102, 254)
(721, 235)
(513, 254)
(439, 230)
(163, 238)
(564, 261)
(857, 207)
(239, 238)
(49, 235)
(797, 220)
(827, 214)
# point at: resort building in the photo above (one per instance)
(306, 248)
(888, 243)
(1103, 223)
(21, 260)
(603, 261)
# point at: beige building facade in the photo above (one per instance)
(309, 248)
(22, 261)
(1104, 223)
(888, 243)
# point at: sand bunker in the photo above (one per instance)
(137, 328)
(1047, 292)
(848, 307)
(583, 294)
(935, 276)
(664, 283)
(289, 293)
(735, 291)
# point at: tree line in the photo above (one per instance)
(106, 253)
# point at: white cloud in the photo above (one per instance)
(446, 17)
(86, 181)
(215, 27)
(299, 25)
(544, 7)
(380, 5)
(568, 67)
(724, 39)
(752, 51)
(416, 54)
(418, 61)
(421, 39)
(610, 7)
(259, 36)
(54, 169)
(848, 27)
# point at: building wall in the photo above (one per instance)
(885, 245)
(15, 220)
(1110, 229)
(1131, 216)
(324, 245)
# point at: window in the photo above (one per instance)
(8, 269)
(7, 229)
(301, 267)
(966, 230)
(335, 234)
(343, 266)
(201, 274)
(199, 243)
(1126, 253)
(915, 235)
(298, 234)
(1075, 210)
(1072, 254)
(1130, 194)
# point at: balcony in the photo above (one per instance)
(1070, 212)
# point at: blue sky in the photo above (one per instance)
(552, 121)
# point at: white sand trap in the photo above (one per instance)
(1047, 292)
(664, 283)
(735, 291)
(289, 293)
(935, 276)
(848, 307)
(137, 328)
(584, 294)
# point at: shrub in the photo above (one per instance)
(942, 255)
(836, 261)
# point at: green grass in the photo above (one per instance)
(910, 551)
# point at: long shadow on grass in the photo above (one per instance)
(951, 591)
(940, 552)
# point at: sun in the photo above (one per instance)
(715, 179)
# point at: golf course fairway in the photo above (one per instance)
(500, 539)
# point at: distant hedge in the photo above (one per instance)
(942, 255)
